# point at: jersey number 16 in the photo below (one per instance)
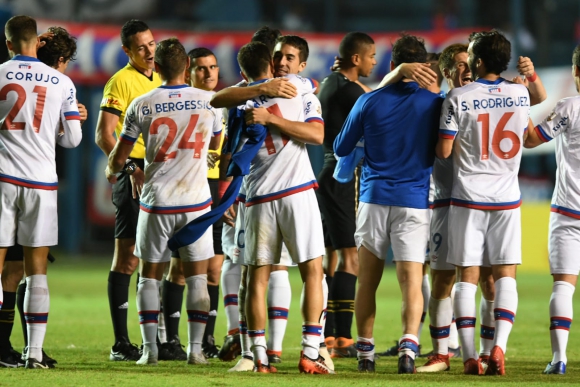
(499, 133)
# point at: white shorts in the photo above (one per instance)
(27, 216)
(478, 237)
(427, 248)
(292, 220)
(438, 244)
(154, 230)
(564, 244)
(406, 229)
(228, 245)
(239, 236)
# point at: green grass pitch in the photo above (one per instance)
(80, 335)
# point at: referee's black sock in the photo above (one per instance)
(214, 300)
(21, 293)
(329, 326)
(119, 303)
(6, 320)
(172, 299)
(343, 291)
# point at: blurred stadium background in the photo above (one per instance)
(545, 30)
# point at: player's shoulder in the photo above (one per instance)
(302, 83)
(569, 103)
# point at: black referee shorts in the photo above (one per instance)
(338, 204)
(126, 208)
(16, 254)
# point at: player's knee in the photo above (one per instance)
(11, 275)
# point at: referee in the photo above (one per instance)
(338, 202)
(134, 80)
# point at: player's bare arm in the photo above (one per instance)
(117, 158)
(418, 72)
(214, 144)
(532, 81)
(531, 138)
(104, 137)
(83, 112)
(234, 96)
(306, 132)
(444, 148)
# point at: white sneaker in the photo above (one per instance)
(323, 351)
(244, 365)
(147, 358)
(196, 358)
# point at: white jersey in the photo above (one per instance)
(282, 167)
(177, 123)
(564, 125)
(488, 121)
(34, 100)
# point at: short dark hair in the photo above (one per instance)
(267, 36)
(354, 43)
(447, 57)
(298, 43)
(199, 52)
(171, 58)
(409, 49)
(132, 27)
(493, 49)
(576, 56)
(20, 29)
(61, 45)
(254, 59)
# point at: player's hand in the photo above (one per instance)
(259, 116)
(279, 88)
(212, 159)
(137, 181)
(521, 81)
(229, 216)
(110, 176)
(337, 64)
(420, 73)
(82, 112)
(42, 38)
(526, 66)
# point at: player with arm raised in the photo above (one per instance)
(178, 126)
(486, 120)
(36, 98)
(563, 125)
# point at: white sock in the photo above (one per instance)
(487, 331)
(279, 297)
(36, 307)
(231, 275)
(365, 348)
(245, 341)
(506, 305)
(197, 304)
(148, 308)
(311, 339)
(258, 346)
(440, 315)
(324, 306)
(453, 337)
(464, 308)
(561, 314)
(426, 290)
(408, 345)
(161, 331)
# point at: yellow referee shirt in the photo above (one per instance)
(123, 87)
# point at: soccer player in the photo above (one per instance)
(394, 196)
(273, 208)
(177, 133)
(338, 201)
(135, 79)
(37, 98)
(487, 120)
(563, 125)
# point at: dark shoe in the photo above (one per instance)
(165, 352)
(231, 349)
(366, 365)
(209, 349)
(454, 352)
(11, 360)
(274, 358)
(556, 369)
(176, 349)
(343, 348)
(406, 365)
(391, 351)
(47, 359)
(32, 363)
(124, 351)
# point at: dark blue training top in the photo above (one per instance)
(400, 124)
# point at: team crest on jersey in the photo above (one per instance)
(494, 89)
(175, 94)
(25, 66)
(551, 116)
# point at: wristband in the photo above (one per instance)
(532, 78)
(222, 187)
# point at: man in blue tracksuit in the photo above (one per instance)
(399, 124)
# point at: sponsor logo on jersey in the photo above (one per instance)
(563, 121)
(308, 107)
(175, 94)
(494, 89)
(26, 66)
(110, 101)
